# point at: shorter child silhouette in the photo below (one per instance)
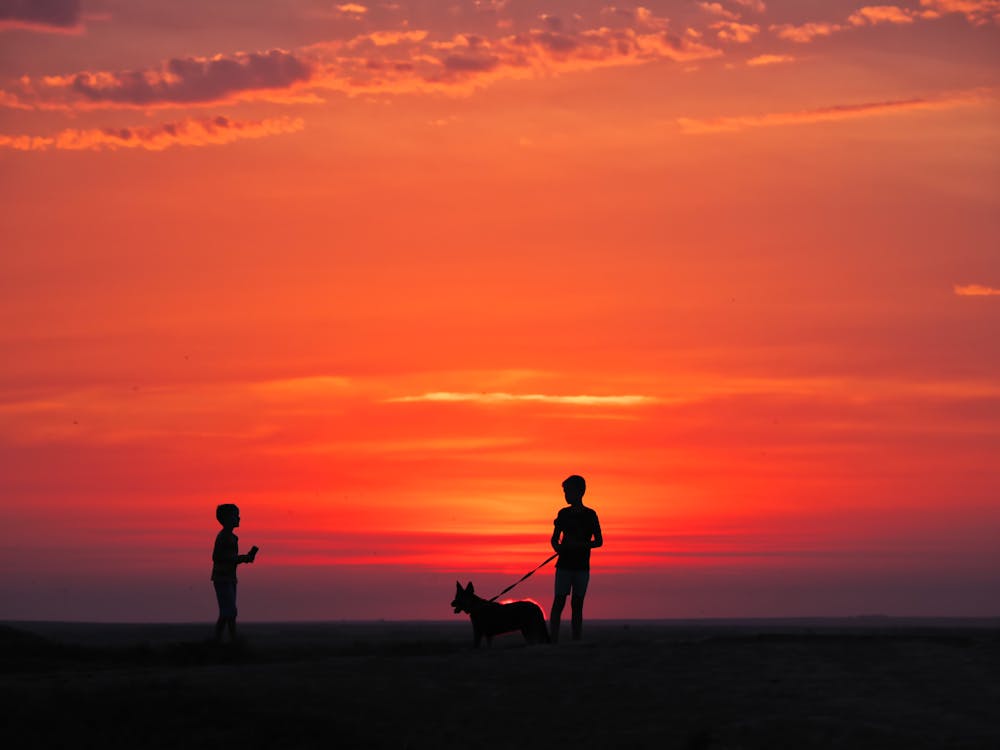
(225, 557)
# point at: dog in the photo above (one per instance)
(490, 619)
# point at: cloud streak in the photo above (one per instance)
(693, 126)
(520, 398)
(188, 132)
(976, 290)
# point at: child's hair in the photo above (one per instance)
(224, 511)
(575, 482)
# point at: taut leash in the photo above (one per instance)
(525, 576)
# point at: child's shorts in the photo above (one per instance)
(225, 592)
(576, 580)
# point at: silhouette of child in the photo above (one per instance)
(577, 531)
(225, 558)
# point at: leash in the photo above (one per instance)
(524, 577)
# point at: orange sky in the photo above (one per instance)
(385, 273)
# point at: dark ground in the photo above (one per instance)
(791, 684)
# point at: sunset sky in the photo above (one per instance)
(385, 273)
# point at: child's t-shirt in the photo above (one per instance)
(578, 524)
(224, 556)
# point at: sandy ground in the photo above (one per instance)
(821, 684)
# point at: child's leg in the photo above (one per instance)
(576, 604)
(555, 615)
(564, 581)
(232, 619)
(581, 579)
(225, 592)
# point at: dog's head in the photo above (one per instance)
(463, 598)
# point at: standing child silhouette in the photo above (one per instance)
(577, 531)
(225, 557)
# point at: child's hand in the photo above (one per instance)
(252, 553)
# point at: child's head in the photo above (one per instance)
(228, 515)
(573, 488)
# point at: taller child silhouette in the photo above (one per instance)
(577, 531)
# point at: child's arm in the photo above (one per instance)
(598, 537)
(248, 557)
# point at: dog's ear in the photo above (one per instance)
(470, 589)
(458, 587)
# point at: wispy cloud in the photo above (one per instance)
(50, 16)
(758, 6)
(515, 398)
(979, 12)
(761, 60)
(719, 10)
(352, 9)
(189, 132)
(976, 290)
(825, 114)
(806, 32)
(872, 15)
(732, 31)
(464, 63)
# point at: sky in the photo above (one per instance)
(385, 273)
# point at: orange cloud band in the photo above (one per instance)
(189, 132)
(379, 61)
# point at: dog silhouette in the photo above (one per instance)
(490, 618)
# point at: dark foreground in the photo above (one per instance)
(420, 685)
